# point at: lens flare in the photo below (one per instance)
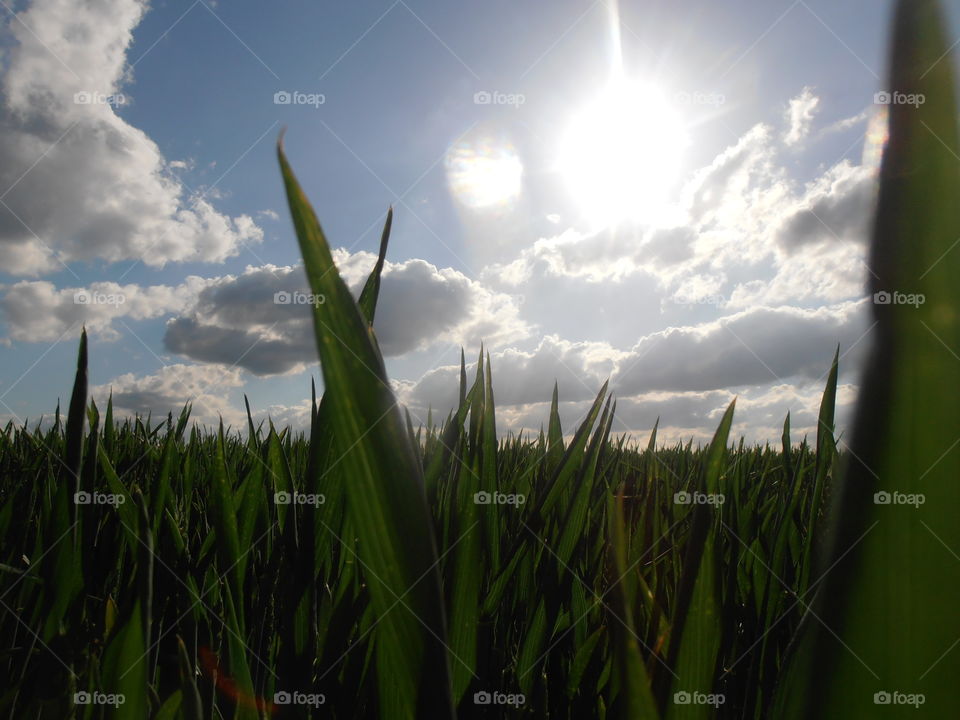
(484, 173)
(876, 138)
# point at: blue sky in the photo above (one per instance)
(743, 288)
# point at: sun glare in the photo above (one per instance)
(621, 153)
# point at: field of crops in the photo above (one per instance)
(566, 566)
(373, 569)
(583, 563)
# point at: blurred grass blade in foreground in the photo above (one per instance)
(885, 620)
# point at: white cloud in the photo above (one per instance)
(753, 347)
(78, 181)
(750, 348)
(36, 310)
(523, 377)
(849, 122)
(172, 386)
(236, 319)
(746, 234)
(835, 208)
(759, 414)
(799, 115)
(786, 260)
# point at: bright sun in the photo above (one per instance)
(621, 153)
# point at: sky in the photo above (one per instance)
(672, 195)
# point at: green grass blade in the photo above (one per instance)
(695, 632)
(894, 579)
(635, 695)
(385, 492)
(371, 289)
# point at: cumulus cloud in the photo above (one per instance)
(751, 348)
(835, 207)
(849, 122)
(77, 181)
(261, 320)
(725, 216)
(39, 311)
(744, 232)
(213, 393)
(683, 416)
(780, 263)
(170, 388)
(522, 377)
(759, 415)
(800, 113)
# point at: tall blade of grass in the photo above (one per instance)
(635, 695)
(280, 476)
(385, 496)
(570, 461)
(251, 506)
(535, 636)
(161, 490)
(108, 427)
(573, 528)
(191, 704)
(893, 582)
(127, 509)
(785, 444)
(76, 416)
(240, 677)
(125, 668)
(554, 433)
(371, 289)
(695, 633)
(60, 569)
(225, 520)
(549, 495)
(467, 574)
(489, 479)
(826, 449)
(126, 660)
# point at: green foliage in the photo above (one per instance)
(401, 573)
(204, 593)
(883, 618)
